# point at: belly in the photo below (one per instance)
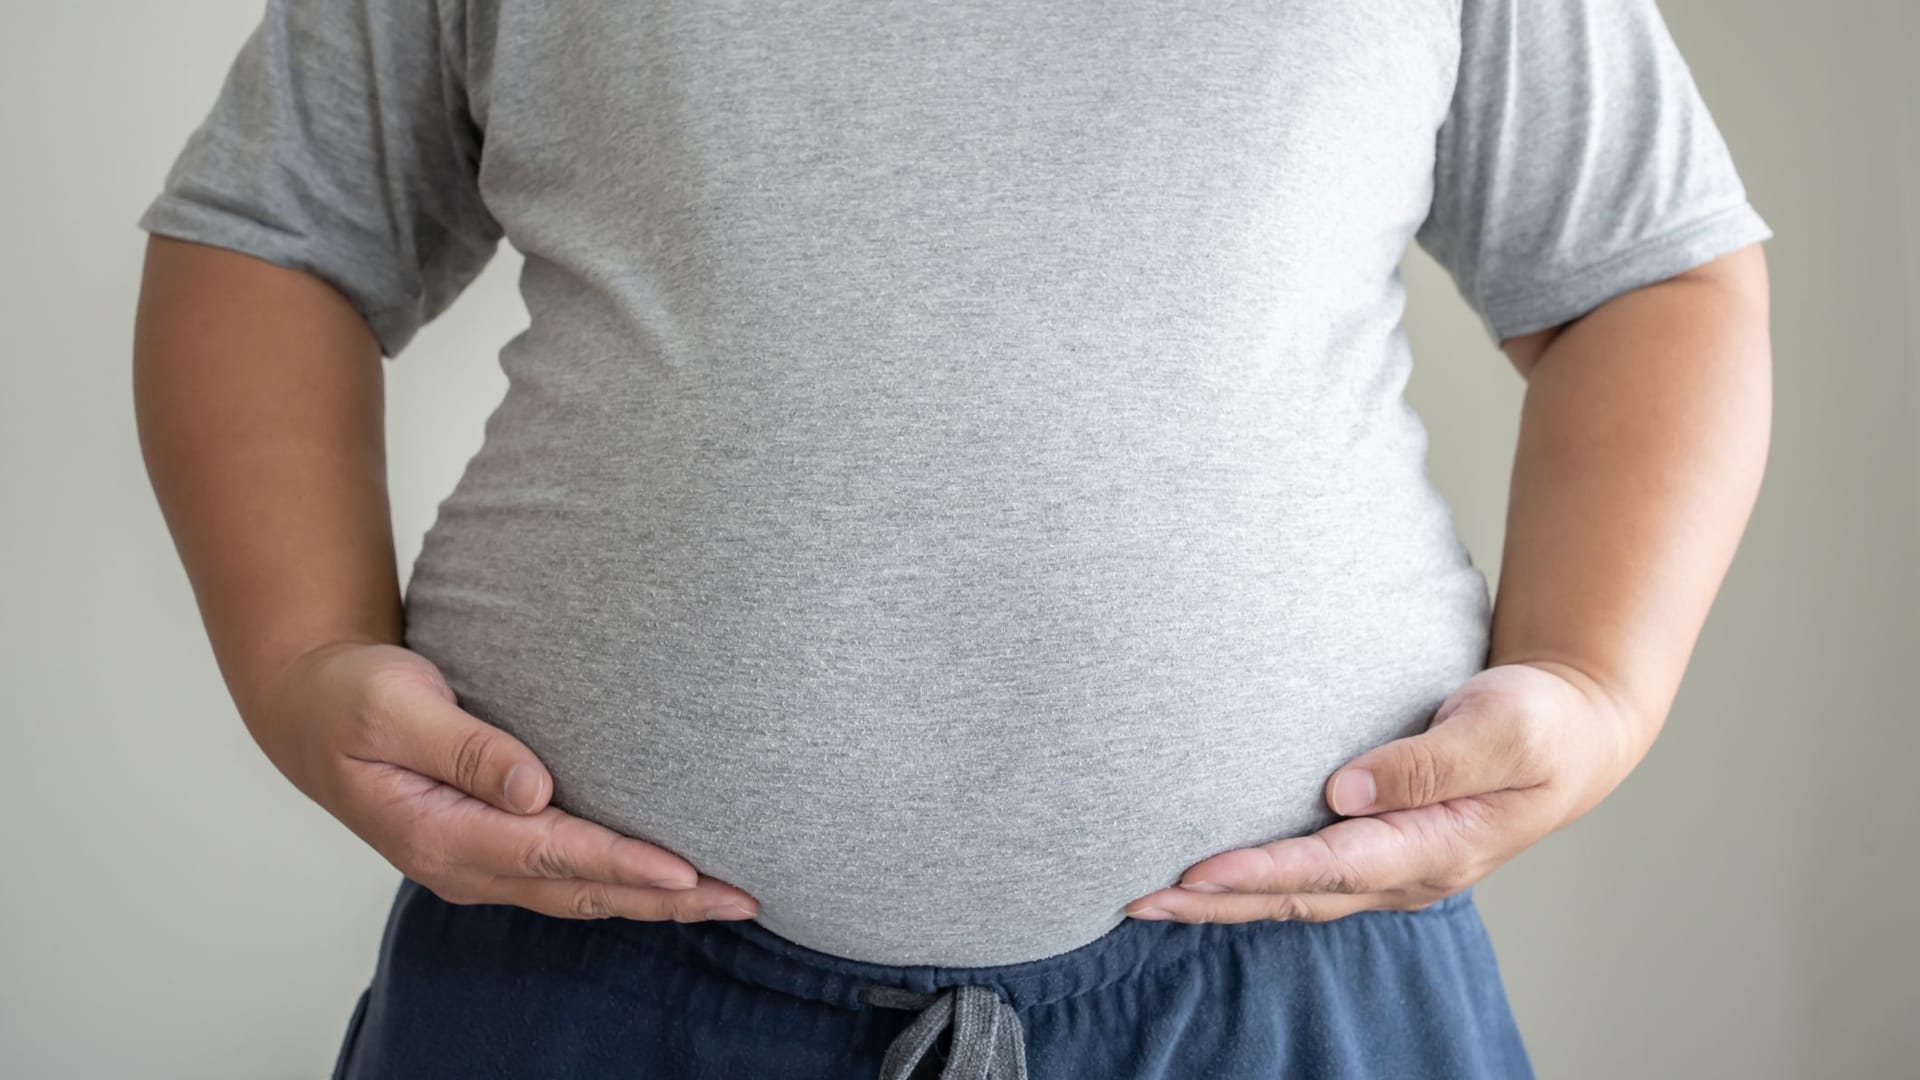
(937, 687)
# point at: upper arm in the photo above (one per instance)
(1577, 163)
(342, 144)
(1739, 277)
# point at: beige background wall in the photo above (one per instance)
(1743, 907)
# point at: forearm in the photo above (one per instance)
(1643, 437)
(258, 395)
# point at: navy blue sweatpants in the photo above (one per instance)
(495, 991)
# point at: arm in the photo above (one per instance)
(1643, 437)
(1579, 183)
(258, 395)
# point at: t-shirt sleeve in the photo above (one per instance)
(342, 143)
(1577, 162)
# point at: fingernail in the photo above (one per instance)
(677, 884)
(522, 788)
(1151, 913)
(1204, 886)
(729, 911)
(1353, 791)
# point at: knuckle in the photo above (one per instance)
(470, 755)
(1292, 909)
(1334, 880)
(544, 858)
(1345, 880)
(1336, 874)
(589, 901)
(1424, 772)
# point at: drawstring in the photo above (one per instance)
(987, 1039)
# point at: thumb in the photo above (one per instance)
(1466, 751)
(433, 736)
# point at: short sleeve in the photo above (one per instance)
(341, 143)
(1577, 162)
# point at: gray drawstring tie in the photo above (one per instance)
(988, 1043)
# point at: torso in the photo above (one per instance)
(956, 475)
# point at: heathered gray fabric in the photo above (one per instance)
(956, 475)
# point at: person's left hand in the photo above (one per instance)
(1516, 752)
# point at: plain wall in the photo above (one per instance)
(171, 907)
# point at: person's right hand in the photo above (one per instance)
(373, 734)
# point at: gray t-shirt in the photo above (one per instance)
(956, 475)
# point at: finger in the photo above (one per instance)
(418, 729)
(1428, 847)
(1480, 747)
(1178, 906)
(556, 845)
(578, 899)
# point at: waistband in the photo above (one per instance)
(745, 950)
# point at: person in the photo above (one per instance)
(952, 587)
